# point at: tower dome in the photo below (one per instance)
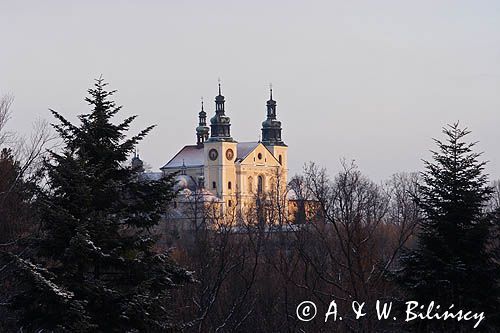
(202, 130)
(271, 128)
(137, 163)
(220, 124)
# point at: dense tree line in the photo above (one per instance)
(86, 245)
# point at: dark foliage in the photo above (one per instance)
(17, 222)
(452, 262)
(95, 268)
(15, 199)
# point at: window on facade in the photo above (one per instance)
(214, 185)
(260, 184)
(229, 185)
(280, 159)
(229, 203)
(259, 156)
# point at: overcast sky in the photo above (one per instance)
(372, 81)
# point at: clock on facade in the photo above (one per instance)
(212, 154)
(229, 154)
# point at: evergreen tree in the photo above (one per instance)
(95, 268)
(17, 222)
(452, 262)
(14, 198)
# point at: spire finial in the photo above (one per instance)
(218, 80)
(202, 103)
(270, 91)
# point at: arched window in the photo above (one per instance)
(260, 184)
(250, 184)
(214, 185)
(280, 159)
(229, 185)
(229, 203)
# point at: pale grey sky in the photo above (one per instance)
(372, 81)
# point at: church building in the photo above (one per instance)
(234, 173)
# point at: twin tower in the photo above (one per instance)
(220, 124)
(231, 170)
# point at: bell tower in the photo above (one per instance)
(271, 136)
(271, 128)
(220, 153)
(202, 130)
(220, 124)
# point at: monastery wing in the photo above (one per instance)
(189, 156)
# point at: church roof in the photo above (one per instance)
(193, 155)
(245, 148)
(189, 156)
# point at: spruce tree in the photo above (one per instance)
(14, 198)
(452, 262)
(95, 268)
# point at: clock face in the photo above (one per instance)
(212, 154)
(229, 154)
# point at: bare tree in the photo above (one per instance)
(224, 256)
(5, 113)
(403, 215)
(348, 256)
(255, 266)
(28, 152)
(20, 162)
(20, 159)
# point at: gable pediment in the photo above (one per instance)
(258, 154)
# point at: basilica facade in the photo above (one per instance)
(234, 173)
